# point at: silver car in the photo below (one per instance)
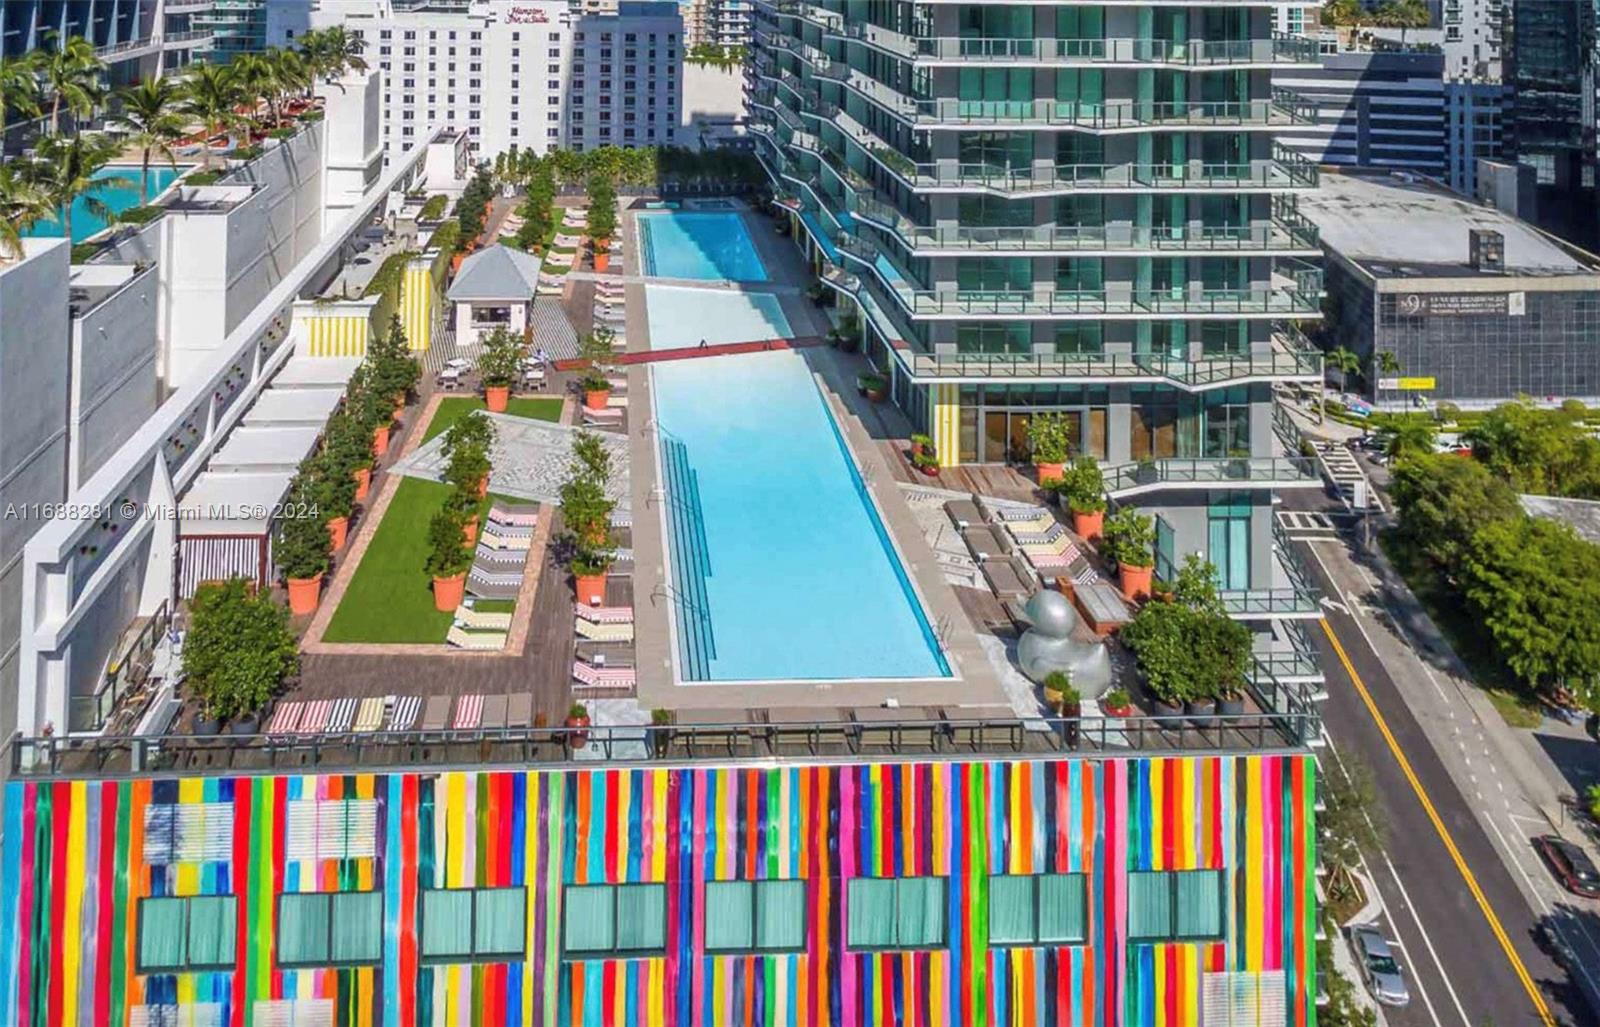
(1378, 966)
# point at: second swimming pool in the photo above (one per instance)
(709, 246)
(117, 198)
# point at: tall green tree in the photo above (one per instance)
(72, 74)
(150, 112)
(239, 649)
(19, 88)
(1442, 499)
(210, 94)
(1545, 452)
(64, 169)
(1346, 363)
(22, 204)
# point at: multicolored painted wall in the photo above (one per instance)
(74, 862)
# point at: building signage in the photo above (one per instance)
(527, 16)
(1408, 384)
(1463, 304)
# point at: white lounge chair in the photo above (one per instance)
(478, 640)
(603, 632)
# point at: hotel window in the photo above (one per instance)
(896, 913)
(604, 921)
(1046, 909)
(473, 925)
(330, 929)
(555, 83)
(755, 916)
(186, 934)
(1175, 905)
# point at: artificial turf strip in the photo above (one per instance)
(453, 408)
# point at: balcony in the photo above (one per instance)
(1233, 472)
(187, 6)
(187, 40)
(1278, 50)
(823, 64)
(1283, 109)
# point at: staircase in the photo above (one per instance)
(691, 560)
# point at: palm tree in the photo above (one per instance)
(1403, 15)
(210, 92)
(150, 110)
(64, 169)
(289, 74)
(346, 50)
(1408, 438)
(72, 74)
(22, 204)
(1346, 363)
(253, 76)
(19, 89)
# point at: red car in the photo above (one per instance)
(1571, 865)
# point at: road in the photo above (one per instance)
(1466, 926)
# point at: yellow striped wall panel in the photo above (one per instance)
(339, 335)
(944, 415)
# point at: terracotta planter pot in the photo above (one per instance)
(496, 397)
(579, 728)
(596, 399)
(1088, 525)
(877, 395)
(602, 260)
(338, 532)
(303, 595)
(469, 530)
(1135, 580)
(380, 440)
(363, 483)
(591, 588)
(1046, 472)
(448, 592)
(1117, 711)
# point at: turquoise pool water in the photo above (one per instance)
(693, 244)
(683, 316)
(118, 197)
(783, 568)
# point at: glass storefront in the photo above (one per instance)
(994, 419)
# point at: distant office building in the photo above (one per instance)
(236, 26)
(1477, 306)
(1474, 38)
(135, 38)
(1550, 120)
(521, 74)
(1373, 110)
(724, 23)
(1472, 128)
(1298, 18)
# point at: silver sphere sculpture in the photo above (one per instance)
(1048, 646)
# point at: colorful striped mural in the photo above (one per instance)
(76, 856)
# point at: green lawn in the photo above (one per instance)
(453, 408)
(390, 598)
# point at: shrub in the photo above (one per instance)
(140, 215)
(1442, 499)
(333, 485)
(501, 361)
(302, 548)
(1196, 585)
(468, 466)
(433, 208)
(1083, 487)
(239, 648)
(598, 349)
(473, 430)
(448, 554)
(1128, 538)
(1048, 438)
(590, 456)
(1187, 653)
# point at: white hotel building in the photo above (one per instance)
(516, 74)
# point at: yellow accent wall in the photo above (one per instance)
(944, 415)
(337, 335)
(416, 306)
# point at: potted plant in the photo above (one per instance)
(1083, 488)
(448, 558)
(501, 365)
(1049, 444)
(335, 490)
(873, 386)
(589, 565)
(1060, 696)
(1239, 464)
(816, 293)
(1159, 642)
(1117, 703)
(577, 724)
(237, 653)
(602, 219)
(1221, 652)
(468, 470)
(927, 463)
(303, 552)
(1128, 538)
(395, 371)
(661, 731)
(920, 443)
(350, 452)
(596, 349)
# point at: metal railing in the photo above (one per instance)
(1229, 471)
(947, 736)
(124, 676)
(1095, 366)
(1279, 48)
(1283, 108)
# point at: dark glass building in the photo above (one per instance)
(1551, 60)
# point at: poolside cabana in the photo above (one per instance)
(494, 289)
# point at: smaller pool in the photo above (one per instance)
(683, 316)
(711, 246)
(118, 198)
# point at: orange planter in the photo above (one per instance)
(496, 397)
(448, 593)
(380, 440)
(596, 399)
(1135, 581)
(591, 588)
(602, 259)
(1049, 471)
(470, 530)
(1088, 525)
(363, 483)
(303, 595)
(338, 532)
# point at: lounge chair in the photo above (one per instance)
(369, 715)
(980, 727)
(984, 543)
(467, 617)
(619, 678)
(476, 640)
(494, 713)
(1032, 525)
(342, 717)
(286, 718)
(1062, 546)
(963, 513)
(316, 717)
(403, 715)
(519, 710)
(1021, 513)
(1047, 562)
(604, 614)
(436, 714)
(514, 516)
(1033, 538)
(603, 632)
(469, 712)
(1004, 580)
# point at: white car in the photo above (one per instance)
(1378, 967)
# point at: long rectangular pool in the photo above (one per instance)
(118, 196)
(709, 246)
(782, 566)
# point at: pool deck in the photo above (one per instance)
(973, 681)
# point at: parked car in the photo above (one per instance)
(1378, 967)
(1571, 865)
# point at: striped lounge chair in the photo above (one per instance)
(316, 717)
(286, 718)
(403, 714)
(514, 516)
(1013, 514)
(369, 715)
(603, 632)
(469, 713)
(467, 617)
(486, 641)
(1033, 525)
(619, 678)
(604, 614)
(343, 716)
(1050, 534)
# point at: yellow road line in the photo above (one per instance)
(1515, 960)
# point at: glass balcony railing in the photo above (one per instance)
(1278, 49)
(1212, 371)
(1283, 108)
(1231, 471)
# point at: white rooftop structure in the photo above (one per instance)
(496, 273)
(1397, 220)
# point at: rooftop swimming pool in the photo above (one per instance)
(118, 198)
(782, 565)
(711, 246)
